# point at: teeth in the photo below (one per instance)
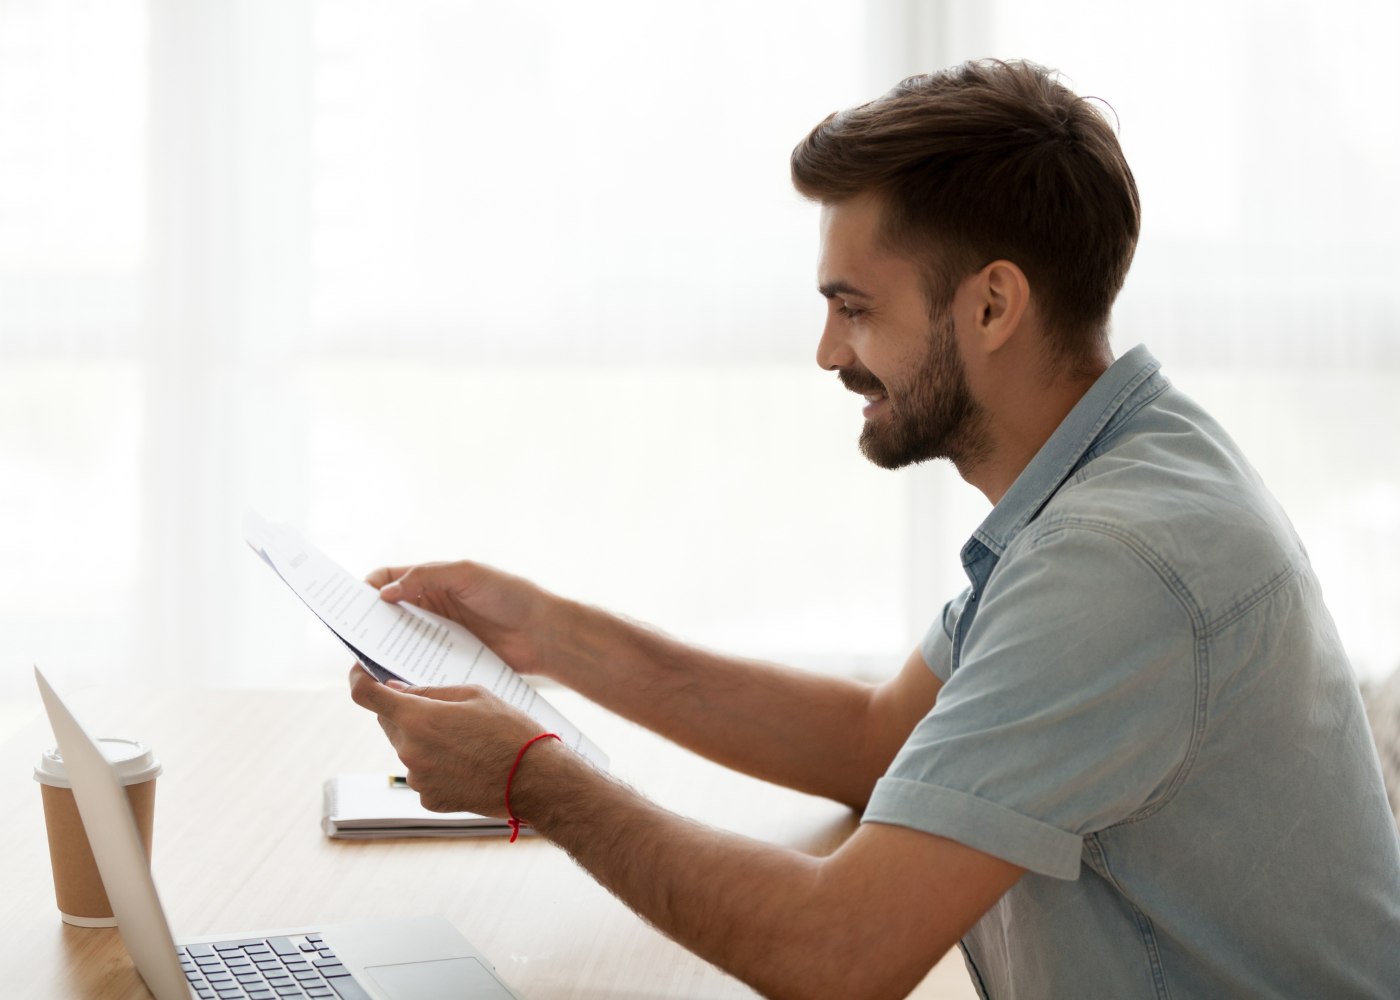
(874, 397)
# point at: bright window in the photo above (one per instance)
(528, 283)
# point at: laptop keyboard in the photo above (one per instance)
(267, 969)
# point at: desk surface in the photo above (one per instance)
(238, 846)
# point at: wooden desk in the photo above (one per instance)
(238, 846)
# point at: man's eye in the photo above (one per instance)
(849, 311)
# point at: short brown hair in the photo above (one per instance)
(985, 161)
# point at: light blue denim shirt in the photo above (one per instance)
(1146, 705)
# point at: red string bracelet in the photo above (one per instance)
(514, 822)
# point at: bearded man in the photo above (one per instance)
(1130, 760)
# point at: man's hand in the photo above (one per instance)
(457, 743)
(512, 616)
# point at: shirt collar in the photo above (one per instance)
(1062, 453)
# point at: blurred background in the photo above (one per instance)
(527, 283)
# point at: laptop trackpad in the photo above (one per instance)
(447, 979)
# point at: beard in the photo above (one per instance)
(933, 415)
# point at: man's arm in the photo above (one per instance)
(868, 921)
(823, 735)
(819, 734)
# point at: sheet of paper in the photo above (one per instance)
(369, 807)
(400, 640)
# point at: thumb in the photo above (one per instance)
(418, 581)
(446, 692)
(365, 691)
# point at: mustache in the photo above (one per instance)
(858, 380)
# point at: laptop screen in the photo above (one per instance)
(116, 847)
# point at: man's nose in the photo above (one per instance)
(833, 350)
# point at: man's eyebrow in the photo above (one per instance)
(833, 288)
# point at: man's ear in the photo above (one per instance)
(1001, 295)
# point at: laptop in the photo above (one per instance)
(420, 959)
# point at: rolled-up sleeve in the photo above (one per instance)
(1071, 707)
(937, 645)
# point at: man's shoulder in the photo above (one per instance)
(1172, 486)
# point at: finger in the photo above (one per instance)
(360, 681)
(465, 692)
(445, 692)
(384, 575)
(428, 578)
(368, 693)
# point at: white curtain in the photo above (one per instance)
(527, 283)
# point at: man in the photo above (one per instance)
(1129, 761)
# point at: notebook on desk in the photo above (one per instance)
(424, 959)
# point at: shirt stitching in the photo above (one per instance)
(1135, 543)
(977, 979)
(1247, 602)
(1200, 644)
(1144, 923)
(1116, 411)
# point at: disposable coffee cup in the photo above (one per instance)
(82, 901)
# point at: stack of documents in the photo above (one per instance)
(373, 807)
(401, 641)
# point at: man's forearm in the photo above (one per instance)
(757, 911)
(802, 730)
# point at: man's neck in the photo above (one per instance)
(1023, 413)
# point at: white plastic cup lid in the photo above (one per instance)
(133, 760)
